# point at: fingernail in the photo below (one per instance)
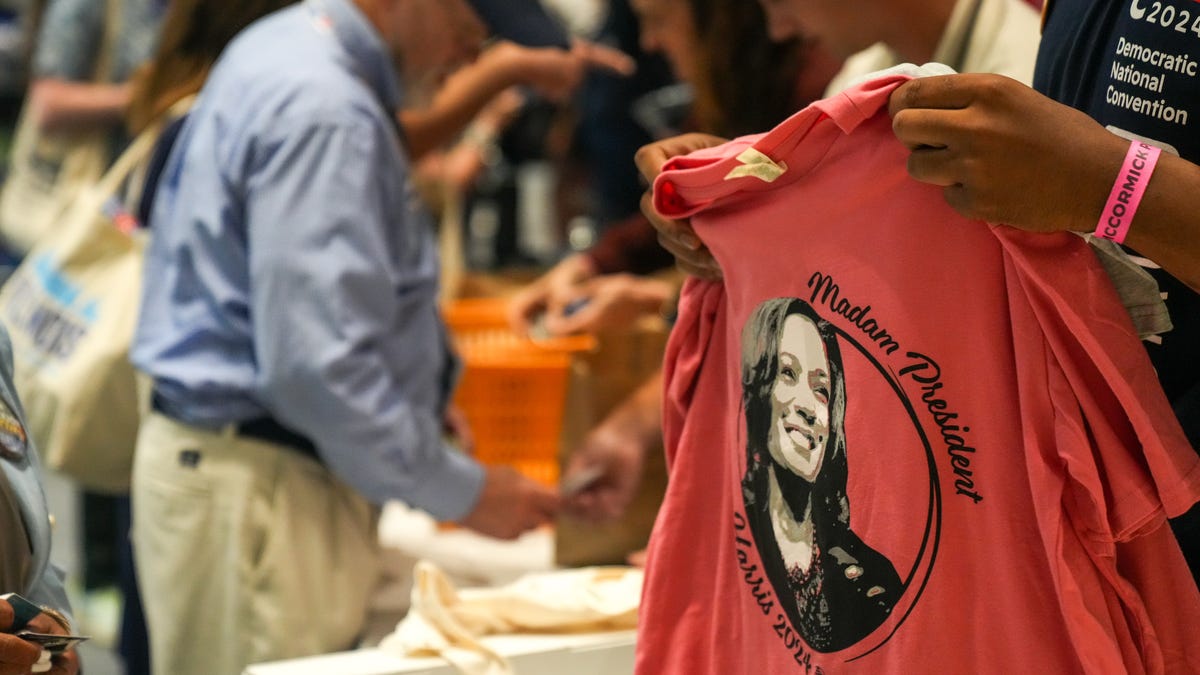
(690, 241)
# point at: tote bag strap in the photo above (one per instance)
(139, 150)
(136, 183)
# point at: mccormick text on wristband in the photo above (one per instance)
(1127, 191)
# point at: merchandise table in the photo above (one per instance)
(407, 535)
(582, 654)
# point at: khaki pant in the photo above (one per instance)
(246, 551)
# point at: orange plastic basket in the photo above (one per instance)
(513, 389)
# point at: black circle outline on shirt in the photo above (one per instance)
(933, 519)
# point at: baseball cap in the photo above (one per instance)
(523, 21)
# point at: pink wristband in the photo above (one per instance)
(1127, 191)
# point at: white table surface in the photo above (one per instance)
(582, 654)
(469, 559)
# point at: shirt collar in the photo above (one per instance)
(369, 56)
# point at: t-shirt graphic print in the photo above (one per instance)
(833, 587)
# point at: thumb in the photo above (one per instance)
(548, 502)
(17, 652)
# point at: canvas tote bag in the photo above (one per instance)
(71, 307)
(449, 622)
(47, 168)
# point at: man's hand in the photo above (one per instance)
(535, 299)
(58, 105)
(618, 457)
(17, 656)
(677, 236)
(617, 449)
(553, 72)
(1005, 153)
(510, 505)
(550, 71)
(477, 147)
(606, 302)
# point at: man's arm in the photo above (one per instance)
(1167, 226)
(1007, 154)
(615, 452)
(550, 71)
(63, 105)
(62, 94)
(331, 303)
(346, 332)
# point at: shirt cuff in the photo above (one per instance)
(451, 489)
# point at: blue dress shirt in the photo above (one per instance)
(293, 271)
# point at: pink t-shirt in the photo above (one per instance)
(901, 441)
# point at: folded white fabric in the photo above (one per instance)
(448, 622)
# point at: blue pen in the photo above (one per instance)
(575, 306)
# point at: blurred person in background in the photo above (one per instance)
(300, 369)
(609, 129)
(509, 91)
(482, 168)
(723, 52)
(18, 25)
(970, 36)
(193, 34)
(721, 49)
(25, 524)
(553, 73)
